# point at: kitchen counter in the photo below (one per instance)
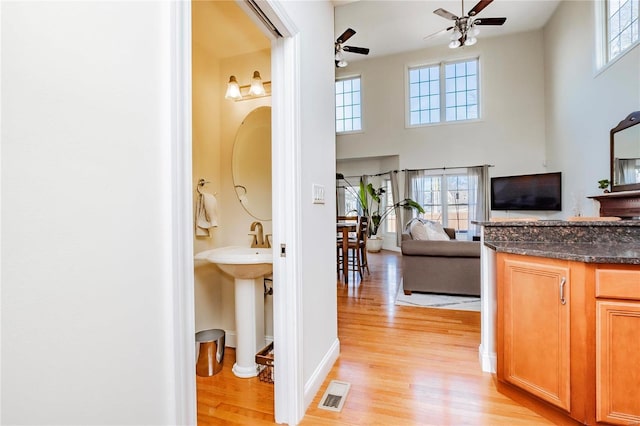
(623, 253)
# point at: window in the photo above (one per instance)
(458, 81)
(445, 199)
(348, 106)
(390, 221)
(622, 26)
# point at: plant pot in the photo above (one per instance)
(374, 244)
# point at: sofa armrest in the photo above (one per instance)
(441, 248)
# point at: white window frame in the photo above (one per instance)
(603, 59)
(347, 132)
(443, 107)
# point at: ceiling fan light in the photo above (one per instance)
(256, 89)
(456, 34)
(342, 63)
(233, 89)
(470, 41)
(454, 44)
(474, 31)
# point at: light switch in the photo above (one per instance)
(317, 193)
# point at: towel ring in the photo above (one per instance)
(202, 183)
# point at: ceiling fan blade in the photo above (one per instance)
(478, 7)
(345, 35)
(489, 21)
(445, 14)
(353, 49)
(437, 33)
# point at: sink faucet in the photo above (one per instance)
(258, 236)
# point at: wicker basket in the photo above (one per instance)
(264, 359)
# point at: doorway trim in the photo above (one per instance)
(289, 404)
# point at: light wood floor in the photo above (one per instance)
(406, 366)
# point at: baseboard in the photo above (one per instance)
(313, 385)
(488, 360)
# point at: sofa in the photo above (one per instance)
(439, 265)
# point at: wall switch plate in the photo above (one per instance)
(317, 192)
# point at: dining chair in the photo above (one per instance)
(356, 256)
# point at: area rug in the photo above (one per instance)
(440, 301)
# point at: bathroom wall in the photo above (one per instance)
(216, 121)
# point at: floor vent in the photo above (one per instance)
(334, 396)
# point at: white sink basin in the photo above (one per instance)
(247, 266)
(240, 262)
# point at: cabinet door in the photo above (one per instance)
(618, 362)
(536, 329)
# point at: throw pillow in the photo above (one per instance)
(435, 232)
(418, 230)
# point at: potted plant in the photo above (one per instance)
(604, 184)
(368, 195)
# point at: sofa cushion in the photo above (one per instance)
(442, 249)
(427, 230)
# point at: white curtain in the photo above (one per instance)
(478, 178)
(625, 171)
(414, 189)
(395, 194)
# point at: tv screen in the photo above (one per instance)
(527, 192)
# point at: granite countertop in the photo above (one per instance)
(560, 223)
(622, 253)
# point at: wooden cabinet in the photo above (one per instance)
(536, 356)
(568, 336)
(542, 336)
(618, 345)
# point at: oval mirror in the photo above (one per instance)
(251, 163)
(625, 154)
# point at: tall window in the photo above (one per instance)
(348, 105)
(445, 198)
(622, 26)
(458, 81)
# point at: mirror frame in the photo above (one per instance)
(632, 119)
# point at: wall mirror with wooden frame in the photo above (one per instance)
(625, 154)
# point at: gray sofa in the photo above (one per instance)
(450, 267)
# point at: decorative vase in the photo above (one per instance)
(374, 244)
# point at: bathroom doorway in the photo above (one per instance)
(229, 38)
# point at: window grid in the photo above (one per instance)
(623, 26)
(424, 95)
(459, 83)
(390, 222)
(348, 105)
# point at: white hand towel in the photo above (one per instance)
(206, 214)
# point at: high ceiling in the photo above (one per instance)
(393, 26)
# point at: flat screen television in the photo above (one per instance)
(527, 192)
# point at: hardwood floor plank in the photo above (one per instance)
(406, 365)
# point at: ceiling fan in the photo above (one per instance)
(465, 26)
(340, 48)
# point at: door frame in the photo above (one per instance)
(287, 307)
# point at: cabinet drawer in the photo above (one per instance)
(618, 283)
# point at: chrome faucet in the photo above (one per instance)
(258, 236)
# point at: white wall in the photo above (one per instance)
(317, 165)
(86, 214)
(509, 135)
(582, 105)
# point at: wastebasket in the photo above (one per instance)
(210, 353)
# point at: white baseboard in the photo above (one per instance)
(488, 360)
(317, 378)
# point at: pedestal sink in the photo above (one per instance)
(247, 266)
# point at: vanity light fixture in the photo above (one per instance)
(256, 89)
